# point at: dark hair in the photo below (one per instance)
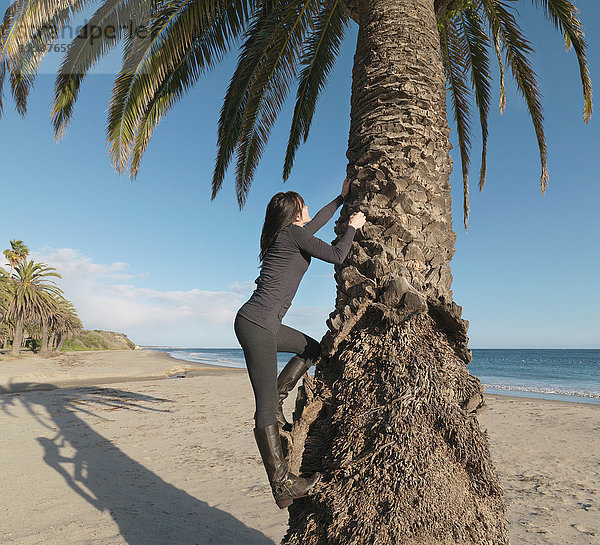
(283, 209)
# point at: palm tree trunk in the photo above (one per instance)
(44, 350)
(18, 338)
(61, 341)
(397, 437)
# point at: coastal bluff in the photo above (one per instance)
(96, 339)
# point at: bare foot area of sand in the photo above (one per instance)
(174, 461)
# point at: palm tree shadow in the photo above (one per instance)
(147, 509)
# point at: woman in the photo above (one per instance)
(287, 245)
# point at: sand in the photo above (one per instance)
(141, 459)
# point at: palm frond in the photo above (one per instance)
(259, 86)
(478, 64)
(237, 93)
(517, 51)
(112, 21)
(319, 58)
(8, 41)
(134, 75)
(2, 76)
(20, 84)
(28, 29)
(454, 54)
(496, 41)
(564, 15)
(175, 70)
(24, 65)
(188, 37)
(271, 86)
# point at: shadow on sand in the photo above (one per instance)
(147, 510)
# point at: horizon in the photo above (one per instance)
(471, 348)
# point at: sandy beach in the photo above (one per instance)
(121, 454)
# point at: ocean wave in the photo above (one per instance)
(226, 358)
(557, 391)
(202, 357)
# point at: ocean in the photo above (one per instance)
(560, 374)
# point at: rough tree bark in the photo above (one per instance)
(44, 351)
(391, 415)
(61, 340)
(17, 339)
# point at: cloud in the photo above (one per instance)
(108, 296)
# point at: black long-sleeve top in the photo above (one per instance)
(285, 263)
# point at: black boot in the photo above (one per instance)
(286, 486)
(287, 379)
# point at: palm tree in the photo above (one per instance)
(31, 297)
(65, 323)
(16, 254)
(4, 326)
(390, 419)
(47, 320)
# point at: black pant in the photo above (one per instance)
(260, 351)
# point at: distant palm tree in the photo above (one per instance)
(64, 323)
(16, 254)
(392, 421)
(31, 297)
(5, 326)
(47, 322)
(4, 329)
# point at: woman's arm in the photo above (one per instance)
(324, 215)
(321, 250)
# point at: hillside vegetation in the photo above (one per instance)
(97, 339)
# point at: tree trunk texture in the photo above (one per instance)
(390, 418)
(17, 339)
(61, 340)
(44, 351)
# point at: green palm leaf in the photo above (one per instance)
(176, 70)
(28, 28)
(271, 86)
(496, 40)
(193, 30)
(2, 76)
(517, 50)
(454, 54)
(259, 86)
(563, 14)
(322, 48)
(478, 63)
(93, 42)
(32, 290)
(236, 96)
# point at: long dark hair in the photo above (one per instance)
(282, 210)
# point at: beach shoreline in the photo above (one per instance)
(178, 456)
(94, 368)
(62, 367)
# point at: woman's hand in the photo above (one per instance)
(357, 220)
(346, 187)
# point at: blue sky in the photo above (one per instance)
(157, 259)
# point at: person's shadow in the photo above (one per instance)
(148, 510)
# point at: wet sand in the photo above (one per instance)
(130, 456)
